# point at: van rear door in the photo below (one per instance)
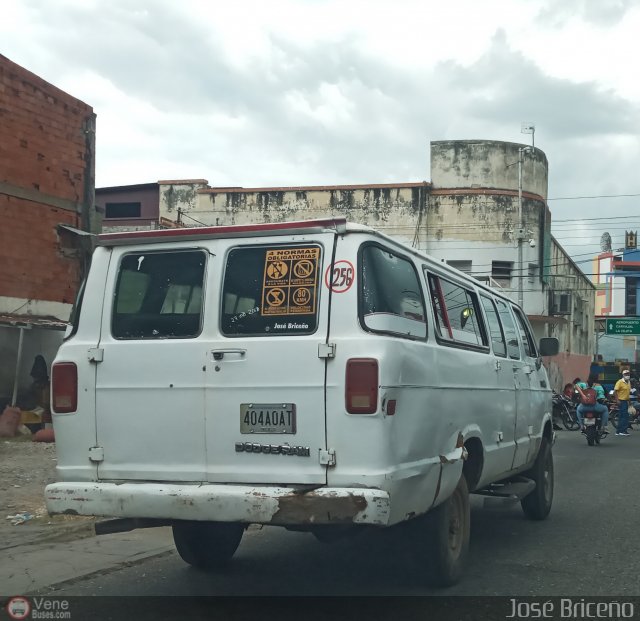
(149, 365)
(265, 394)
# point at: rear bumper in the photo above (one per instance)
(221, 503)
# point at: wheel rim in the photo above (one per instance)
(456, 525)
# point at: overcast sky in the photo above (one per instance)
(306, 92)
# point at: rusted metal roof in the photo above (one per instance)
(31, 321)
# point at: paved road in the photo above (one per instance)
(588, 546)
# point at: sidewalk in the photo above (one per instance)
(31, 568)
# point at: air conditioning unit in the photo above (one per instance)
(560, 303)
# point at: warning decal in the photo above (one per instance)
(290, 285)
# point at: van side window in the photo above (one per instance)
(390, 296)
(271, 290)
(497, 337)
(525, 334)
(159, 295)
(457, 312)
(513, 344)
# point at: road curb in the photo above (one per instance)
(44, 566)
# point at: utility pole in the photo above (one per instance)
(520, 236)
(525, 128)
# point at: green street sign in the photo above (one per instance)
(623, 325)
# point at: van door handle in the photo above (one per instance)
(218, 354)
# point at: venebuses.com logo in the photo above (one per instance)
(19, 608)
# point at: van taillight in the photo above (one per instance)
(64, 387)
(361, 395)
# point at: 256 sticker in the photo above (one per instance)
(341, 277)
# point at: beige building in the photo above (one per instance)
(485, 198)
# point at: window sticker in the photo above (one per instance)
(290, 284)
(342, 276)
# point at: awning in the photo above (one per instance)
(552, 319)
(9, 320)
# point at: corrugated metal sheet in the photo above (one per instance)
(31, 321)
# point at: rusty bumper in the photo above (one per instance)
(221, 503)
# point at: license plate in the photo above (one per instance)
(589, 421)
(268, 418)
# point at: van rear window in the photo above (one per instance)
(271, 290)
(159, 295)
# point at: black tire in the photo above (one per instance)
(569, 419)
(537, 504)
(440, 539)
(207, 545)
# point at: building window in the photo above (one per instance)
(122, 210)
(533, 272)
(560, 303)
(501, 272)
(463, 266)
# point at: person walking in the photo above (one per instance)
(622, 390)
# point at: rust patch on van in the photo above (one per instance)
(315, 509)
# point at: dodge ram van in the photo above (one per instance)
(316, 375)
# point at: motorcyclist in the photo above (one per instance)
(599, 407)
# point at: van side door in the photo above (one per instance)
(501, 445)
(539, 391)
(521, 372)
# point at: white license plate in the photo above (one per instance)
(268, 418)
(589, 421)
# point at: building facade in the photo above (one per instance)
(617, 277)
(47, 159)
(484, 211)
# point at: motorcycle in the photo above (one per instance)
(593, 428)
(564, 411)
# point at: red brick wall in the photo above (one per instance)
(43, 151)
(32, 265)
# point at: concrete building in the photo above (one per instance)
(470, 214)
(617, 278)
(47, 155)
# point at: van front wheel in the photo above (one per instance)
(537, 504)
(207, 545)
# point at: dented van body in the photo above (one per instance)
(303, 374)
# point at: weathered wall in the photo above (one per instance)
(577, 335)
(392, 209)
(46, 178)
(487, 164)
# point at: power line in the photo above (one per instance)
(577, 198)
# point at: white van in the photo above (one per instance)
(314, 375)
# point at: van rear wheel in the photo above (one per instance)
(440, 539)
(207, 545)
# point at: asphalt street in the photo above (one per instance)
(587, 547)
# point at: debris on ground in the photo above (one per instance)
(26, 468)
(9, 422)
(20, 518)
